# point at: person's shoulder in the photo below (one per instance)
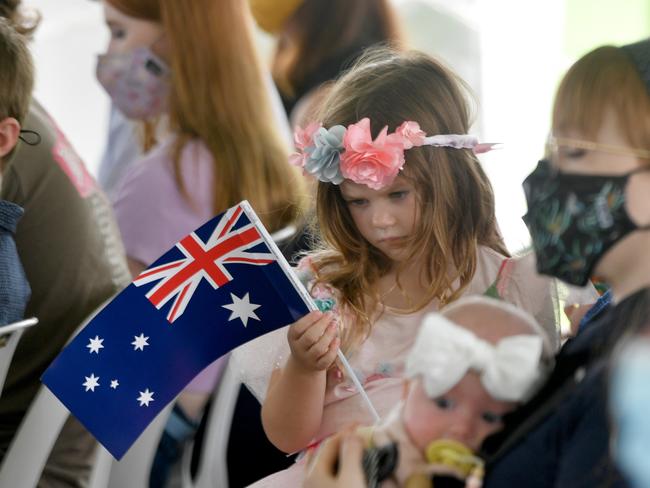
(49, 158)
(161, 166)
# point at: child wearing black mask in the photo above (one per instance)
(589, 213)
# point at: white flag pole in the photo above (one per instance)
(308, 301)
(358, 386)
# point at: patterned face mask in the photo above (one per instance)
(574, 219)
(137, 81)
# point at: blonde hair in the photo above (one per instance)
(604, 79)
(16, 75)
(456, 202)
(219, 96)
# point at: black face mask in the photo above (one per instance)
(574, 219)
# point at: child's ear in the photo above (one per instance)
(9, 132)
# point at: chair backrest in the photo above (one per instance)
(133, 469)
(24, 461)
(101, 470)
(32, 444)
(212, 468)
(9, 336)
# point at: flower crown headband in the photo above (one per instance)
(334, 154)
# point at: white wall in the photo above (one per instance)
(65, 46)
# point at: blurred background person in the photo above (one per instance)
(190, 71)
(630, 400)
(74, 261)
(318, 39)
(16, 84)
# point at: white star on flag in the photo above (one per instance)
(114, 384)
(91, 382)
(242, 309)
(139, 342)
(145, 397)
(95, 345)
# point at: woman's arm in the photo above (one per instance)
(293, 408)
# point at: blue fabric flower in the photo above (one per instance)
(324, 156)
(325, 304)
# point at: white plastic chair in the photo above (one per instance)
(213, 470)
(24, 461)
(32, 444)
(10, 334)
(101, 470)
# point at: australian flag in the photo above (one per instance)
(221, 286)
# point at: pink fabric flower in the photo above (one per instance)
(372, 163)
(303, 138)
(411, 134)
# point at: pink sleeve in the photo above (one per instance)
(151, 212)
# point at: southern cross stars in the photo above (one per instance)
(242, 309)
(91, 382)
(95, 345)
(140, 342)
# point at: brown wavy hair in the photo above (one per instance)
(16, 75)
(455, 198)
(604, 79)
(219, 96)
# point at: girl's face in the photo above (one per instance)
(385, 218)
(128, 33)
(466, 414)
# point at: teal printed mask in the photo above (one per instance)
(630, 399)
(574, 219)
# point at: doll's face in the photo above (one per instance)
(466, 413)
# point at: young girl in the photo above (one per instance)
(408, 225)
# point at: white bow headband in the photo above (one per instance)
(444, 352)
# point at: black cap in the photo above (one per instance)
(639, 52)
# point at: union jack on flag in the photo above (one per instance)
(221, 286)
(203, 260)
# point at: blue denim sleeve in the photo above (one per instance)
(596, 311)
(14, 289)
